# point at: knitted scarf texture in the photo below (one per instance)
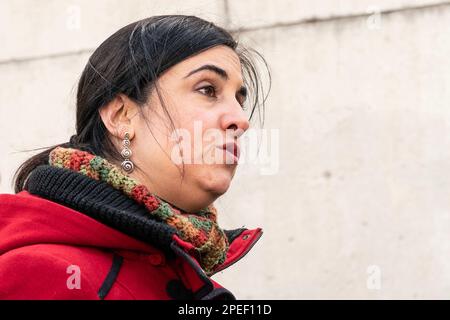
(200, 229)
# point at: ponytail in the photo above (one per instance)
(42, 158)
(21, 174)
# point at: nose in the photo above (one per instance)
(235, 120)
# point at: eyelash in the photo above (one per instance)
(214, 89)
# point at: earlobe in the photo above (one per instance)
(125, 129)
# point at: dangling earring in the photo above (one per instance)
(126, 153)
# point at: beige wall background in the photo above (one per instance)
(359, 207)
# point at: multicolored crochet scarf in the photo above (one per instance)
(200, 229)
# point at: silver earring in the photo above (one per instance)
(126, 153)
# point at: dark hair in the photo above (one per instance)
(129, 62)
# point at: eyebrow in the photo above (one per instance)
(222, 73)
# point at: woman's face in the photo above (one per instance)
(203, 96)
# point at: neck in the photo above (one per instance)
(173, 191)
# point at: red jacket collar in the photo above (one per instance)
(239, 247)
(202, 286)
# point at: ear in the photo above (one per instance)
(116, 116)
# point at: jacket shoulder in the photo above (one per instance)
(43, 272)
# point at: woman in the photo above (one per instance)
(125, 209)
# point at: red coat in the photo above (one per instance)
(49, 251)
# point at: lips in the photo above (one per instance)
(232, 148)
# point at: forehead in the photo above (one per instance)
(220, 56)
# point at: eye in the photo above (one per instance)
(242, 103)
(209, 91)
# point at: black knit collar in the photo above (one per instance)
(101, 202)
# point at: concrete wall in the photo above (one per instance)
(359, 207)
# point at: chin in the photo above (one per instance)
(217, 181)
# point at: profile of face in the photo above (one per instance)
(191, 160)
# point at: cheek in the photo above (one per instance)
(204, 161)
(200, 137)
(152, 143)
